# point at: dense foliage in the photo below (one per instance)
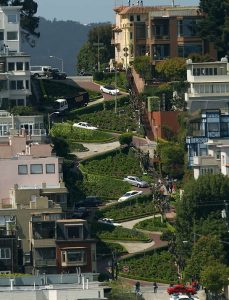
(98, 48)
(159, 266)
(106, 248)
(153, 224)
(108, 232)
(104, 187)
(133, 208)
(68, 132)
(143, 67)
(115, 164)
(172, 69)
(215, 27)
(106, 119)
(110, 78)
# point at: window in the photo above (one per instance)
(131, 18)
(12, 36)
(20, 102)
(1, 36)
(50, 168)
(27, 66)
(11, 66)
(73, 256)
(138, 18)
(19, 66)
(12, 18)
(22, 169)
(187, 49)
(27, 84)
(20, 85)
(131, 35)
(187, 27)
(5, 253)
(161, 51)
(36, 169)
(13, 85)
(74, 232)
(60, 168)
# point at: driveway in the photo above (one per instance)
(96, 148)
(130, 224)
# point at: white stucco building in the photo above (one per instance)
(14, 65)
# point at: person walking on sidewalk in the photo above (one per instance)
(155, 287)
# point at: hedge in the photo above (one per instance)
(158, 266)
(153, 224)
(135, 207)
(108, 232)
(67, 131)
(115, 164)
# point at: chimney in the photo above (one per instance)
(141, 3)
(129, 2)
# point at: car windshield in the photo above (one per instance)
(109, 87)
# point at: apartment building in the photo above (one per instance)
(14, 65)
(157, 31)
(207, 103)
(30, 170)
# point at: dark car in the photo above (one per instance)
(90, 201)
(181, 288)
(55, 73)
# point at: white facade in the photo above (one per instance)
(217, 160)
(209, 85)
(14, 65)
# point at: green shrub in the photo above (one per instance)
(133, 208)
(154, 224)
(69, 132)
(159, 266)
(104, 187)
(106, 119)
(115, 164)
(108, 232)
(126, 139)
(23, 110)
(105, 248)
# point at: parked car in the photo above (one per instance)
(181, 288)
(39, 71)
(84, 125)
(90, 201)
(109, 89)
(108, 222)
(136, 181)
(129, 195)
(84, 73)
(55, 73)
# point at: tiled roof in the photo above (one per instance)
(135, 9)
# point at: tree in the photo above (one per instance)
(172, 69)
(97, 49)
(205, 250)
(61, 146)
(214, 277)
(86, 59)
(215, 25)
(143, 67)
(126, 139)
(29, 23)
(171, 159)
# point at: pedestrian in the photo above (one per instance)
(155, 287)
(137, 287)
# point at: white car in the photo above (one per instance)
(136, 181)
(109, 89)
(84, 125)
(108, 222)
(129, 195)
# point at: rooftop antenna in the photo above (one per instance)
(129, 2)
(141, 3)
(173, 3)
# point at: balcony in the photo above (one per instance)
(43, 243)
(45, 262)
(205, 161)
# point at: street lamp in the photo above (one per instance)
(61, 60)
(49, 118)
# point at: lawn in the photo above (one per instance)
(70, 133)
